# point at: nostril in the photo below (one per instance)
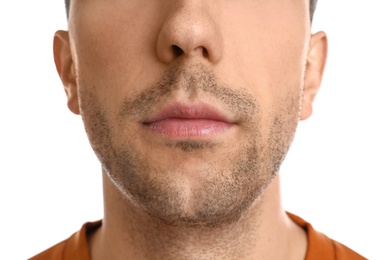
(205, 53)
(177, 50)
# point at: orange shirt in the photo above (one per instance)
(319, 246)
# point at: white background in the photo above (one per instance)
(335, 176)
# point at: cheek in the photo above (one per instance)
(113, 44)
(269, 60)
(268, 46)
(273, 70)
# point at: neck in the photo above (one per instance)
(264, 231)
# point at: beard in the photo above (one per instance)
(213, 183)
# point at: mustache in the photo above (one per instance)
(193, 80)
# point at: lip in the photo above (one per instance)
(182, 121)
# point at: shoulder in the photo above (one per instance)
(322, 247)
(74, 248)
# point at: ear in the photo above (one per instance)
(65, 68)
(315, 66)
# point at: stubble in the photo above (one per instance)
(222, 189)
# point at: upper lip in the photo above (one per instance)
(189, 111)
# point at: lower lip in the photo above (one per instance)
(185, 128)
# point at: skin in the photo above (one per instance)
(192, 196)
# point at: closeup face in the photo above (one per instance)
(190, 105)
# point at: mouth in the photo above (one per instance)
(183, 121)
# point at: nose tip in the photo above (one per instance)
(189, 32)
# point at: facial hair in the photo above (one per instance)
(220, 190)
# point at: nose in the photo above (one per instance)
(190, 30)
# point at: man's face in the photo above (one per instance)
(190, 105)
